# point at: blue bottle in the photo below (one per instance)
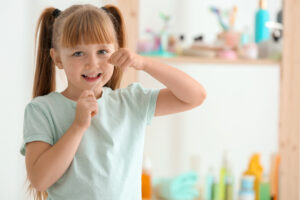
(262, 16)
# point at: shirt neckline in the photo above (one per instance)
(74, 102)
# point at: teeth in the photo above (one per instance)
(91, 76)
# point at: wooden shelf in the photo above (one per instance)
(199, 60)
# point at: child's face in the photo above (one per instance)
(86, 60)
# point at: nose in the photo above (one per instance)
(92, 62)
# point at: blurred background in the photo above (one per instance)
(227, 46)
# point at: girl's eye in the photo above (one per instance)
(77, 54)
(103, 51)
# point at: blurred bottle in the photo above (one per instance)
(229, 185)
(246, 192)
(262, 16)
(180, 45)
(222, 179)
(209, 182)
(146, 179)
(264, 189)
(195, 165)
(226, 179)
(255, 169)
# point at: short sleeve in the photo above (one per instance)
(36, 126)
(145, 100)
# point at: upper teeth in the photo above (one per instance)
(91, 76)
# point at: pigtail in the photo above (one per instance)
(44, 78)
(118, 21)
(37, 195)
(119, 26)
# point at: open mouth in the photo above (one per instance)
(91, 78)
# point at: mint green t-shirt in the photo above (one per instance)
(108, 161)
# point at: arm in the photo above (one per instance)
(182, 92)
(46, 164)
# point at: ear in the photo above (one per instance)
(56, 58)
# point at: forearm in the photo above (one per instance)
(184, 87)
(53, 163)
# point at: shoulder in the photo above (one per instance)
(42, 103)
(135, 88)
(137, 93)
(134, 93)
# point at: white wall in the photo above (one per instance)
(13, 92)
(240, 115)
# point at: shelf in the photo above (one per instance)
(198, 60)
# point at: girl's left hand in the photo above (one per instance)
(124, 58)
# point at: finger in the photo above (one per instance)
(115, 57)
(85, 93)
(110, 59)
(126, 64)
(93, 113)
(94, 109)
(91, 99)
(122, 60)
(91, 96)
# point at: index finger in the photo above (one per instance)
(86, 93)
(113, 57)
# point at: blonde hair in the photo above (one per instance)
(76, 25)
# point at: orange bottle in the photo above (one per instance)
(146, 180)
(255, 169)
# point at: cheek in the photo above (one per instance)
(110, 69)
(72, 71)
(107, 67)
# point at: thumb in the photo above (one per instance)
(109, 60)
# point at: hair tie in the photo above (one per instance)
(105, 9)
(56, 12)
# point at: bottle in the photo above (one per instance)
(195, 165)
(255, 169)
(180, 45)
(222, 179)
(264, 189)
(274, 175)
(163, 42)
(225, 179)
(209, 183)
(246, 192)
(262, 16)
(215, 187)
(245, 37)
(229, 185)
(146, 179)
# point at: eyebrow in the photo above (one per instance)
(99, 46)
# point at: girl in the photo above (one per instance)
(87, 141)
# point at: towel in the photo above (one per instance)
(181, 187)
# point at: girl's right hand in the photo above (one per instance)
(87, 107)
